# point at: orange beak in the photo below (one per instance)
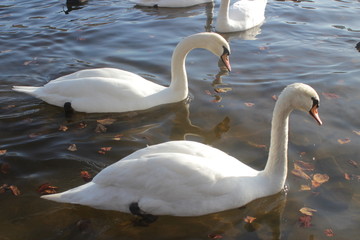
(315, 114)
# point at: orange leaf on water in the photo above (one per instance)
(2, 152)
(319, 179)
(106, 121)
(305, 188)
(347, 176)
(72, 148)
(46, 188)
(356, 132)
(118, 137)
(15, 190)
(304, 165)
(249, 104)
(344, 140)
(86, 176)
(63, 128)
(307, 211)
(106, 149)
(300, 173)
(249, 219)
(329, 232)
(274, 97)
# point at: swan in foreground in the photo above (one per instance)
(242, 15)
(186, 178)
(115, 90)
(169, 3)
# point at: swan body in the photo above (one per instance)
(186, 178)
(115, 90)
(242, 15)
(169, 3)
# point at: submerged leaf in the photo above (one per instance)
(300, 173)
(344, 140)
(249, 219)
(86, 176)
(46, 188)
(106, 121)
(15, 190)
(305, 188)
(305, 221)
(304, 166)
(222, 90)
(321, 178)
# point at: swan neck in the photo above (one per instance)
(179, 82)
(223, 15)
(276, 166)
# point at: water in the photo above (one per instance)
(304, 41)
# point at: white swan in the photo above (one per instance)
(185, 178)
(115, 90)
(242, 15)
(169, 3)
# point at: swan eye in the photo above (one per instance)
(226, 51)
(315, 102)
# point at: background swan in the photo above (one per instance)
(168, 3)
(115, 90)
(242, 15)
(186, 178)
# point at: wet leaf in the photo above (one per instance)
(63, 128)
(118, 137)
(215, 236)
(249, 219)
(216, 99)
(222, 90)
(274, 97)
(249, 104)
(305, 166)
(305, 188)
(5, 168)
(2, 152)
(72, 148)
(330, 95)
(15, 190)
(356, 132)
(329, 232)
(321, 178)
(86, 176)
(100, 128)
(106, 121)
(305, 221)
(347, 176)
(46, 188)
(307, 211)
(3, 188)
(344, 140)
(82, 125)
(353, 163)
(106, 149)
(300, 173)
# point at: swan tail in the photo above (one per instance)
(26, 89)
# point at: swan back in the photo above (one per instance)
(169, 3)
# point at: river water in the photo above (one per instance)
(301, 41)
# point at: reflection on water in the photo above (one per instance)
(315, 42)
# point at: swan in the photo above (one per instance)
(115, 90)
(186, 178)
(242, 15)
(169, 3)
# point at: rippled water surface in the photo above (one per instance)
(303, 41)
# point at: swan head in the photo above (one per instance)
(302, 97)
(215, 43)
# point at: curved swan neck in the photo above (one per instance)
(223, 15)
(276, 166)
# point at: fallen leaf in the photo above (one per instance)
(82, 125)
(63, 128)
(274, 97)
(100, 128)
(106, 121)
(344, 140)
(300, 173)
(72, 148)
(347, 176)
(356, 132)
(2, 152)
(305, 221)
(15, 190)
(216, 99)
(106, 149)
(86, 176)
(321, 178)
(215, 236)
(249, 104)
(249, 219)
(304, 165)
(330, 95)
(46, 188)
(353, 163)
(222, 90)
(305, 188)
(3, 188)
(329, 232)
(307, 211)
(118, 137)
(4, 168)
